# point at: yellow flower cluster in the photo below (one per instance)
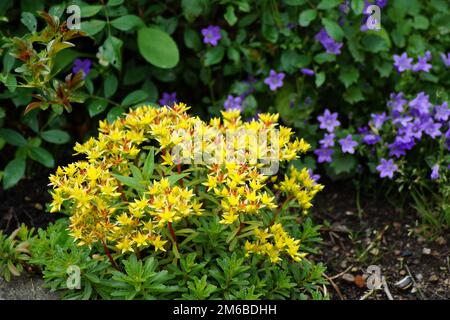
(300, 186)
(273, 242)
(104, 209)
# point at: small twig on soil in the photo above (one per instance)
(415, 283)
(334, 286)
(343, 272)
(386, 288)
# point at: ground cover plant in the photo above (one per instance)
(145, 197)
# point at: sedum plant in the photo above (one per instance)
(213, 223)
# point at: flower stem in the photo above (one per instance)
(108, 254)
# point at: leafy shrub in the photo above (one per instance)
(14, 252)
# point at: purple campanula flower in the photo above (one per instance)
(412, 129)
(274, 80)
(403, 62)
(397, 102)
(331, 46)
(370, 138)
(446, 59)
(233, 103)
(328, 140)
(403, 120)
(344, 7)
(83, 65)
(420, 105)
(313, 176)
(348, 144)
(422, 64)
(308, 72)
(381, 3)
(387, 168)
(378, 119)
(435, 172)
(324, 154)
(328, 120)
(431, 128)
(168, 99)
(442, 112)
(211, 35)
(401, 144)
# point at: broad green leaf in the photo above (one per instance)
(353, 95)
(42, 156)
(112, 3)
(333, 29)
(306, 17)
(127, 22)
(89, 11)
(357, 6)
(92, 27)
(348, 75)
(214, 55)
(115, 113)
(110, 85)
(192, 39)
(230, 16)
(96, 107)
(55, 136)
(320, 79)
(130, 182)
(13, 172)
(343, 163)
(175, 177)
(134, 98)
(13, 137)
(328, 4)
(158, 48)
(29, 21)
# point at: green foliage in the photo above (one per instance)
(14, 252)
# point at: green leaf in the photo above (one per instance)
(8, 62)
(130, 182)
(328, 4)
(115, 113)
(192, 39)
(55, 136)
(357, 6)
(158, 48)
(29, 21)
(134, 98)
(421, 22)
(13, 172)
(149, 164)
(333, 29)
(306, 17)
(374, 43)
(42, 156)
(320, 78)
(2, 113)
(13, 137)
(343, 163)
(192, 9)
(92, 27)
(214, 55)
(175, 177)
(112, 3)
(294, 2)
(127, 22)
(348, 75)
(96, 107)
(353, 95)
(89, 11)
(230, 16)
(110, 85)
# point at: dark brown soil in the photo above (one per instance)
(25, 203)
(381, 236)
